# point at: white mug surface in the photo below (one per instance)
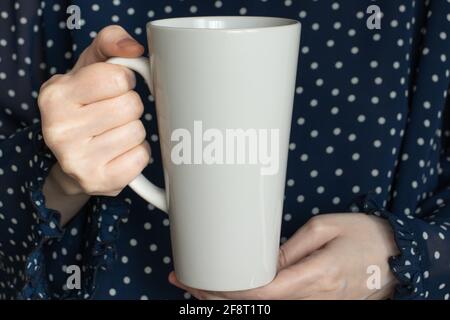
(224, 90)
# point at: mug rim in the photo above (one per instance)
(165, 23)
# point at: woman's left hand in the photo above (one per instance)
(333, 256)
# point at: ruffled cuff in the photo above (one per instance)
(47, 221)
(99, 250)
(47, 228)
(105, 219)
(406, 266)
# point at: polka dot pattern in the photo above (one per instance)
(370, 133)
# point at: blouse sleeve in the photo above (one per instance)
(422, 231)
(418, 208)
(25, 223)
(34, 249)
(422, 267)
(28, 228)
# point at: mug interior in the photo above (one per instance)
(223, 23)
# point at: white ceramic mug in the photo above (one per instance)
(221, 73)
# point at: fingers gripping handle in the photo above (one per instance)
(140, 65)
(141, 185)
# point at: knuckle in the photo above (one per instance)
(53, 135)
(138, 130)
(122, 78)
(52, 80)
(106, 31)
(316, 225)
(142, 131)
(142, 157)
(69, 167)
(104, 37)
(50, 95)
(135, 104)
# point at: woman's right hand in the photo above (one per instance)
(91, 120)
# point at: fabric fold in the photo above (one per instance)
(405, 266)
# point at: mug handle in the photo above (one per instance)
(141, 185)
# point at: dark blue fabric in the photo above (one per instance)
(370, 133)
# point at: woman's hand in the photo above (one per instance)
(330, 257)
(90, 121)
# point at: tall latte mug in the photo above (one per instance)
(224, 90)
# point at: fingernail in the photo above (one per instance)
(172, 278)
(127, 42)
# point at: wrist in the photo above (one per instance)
(63, 183)
(62, 195)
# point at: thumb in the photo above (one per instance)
(112, 41)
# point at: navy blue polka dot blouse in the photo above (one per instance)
(371, 133)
